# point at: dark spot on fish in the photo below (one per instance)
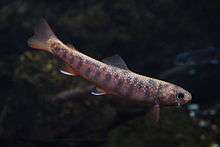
(87, 61)
(104, 69)
(116, 76)
(146, 91)
(72, 59)
(135, 84)
(152, 83)
(120, 84)
(135, 81)
(130, 90)
(129, 79)
(79, 65)
(57, 50)
(64, 54)
(108, 77)
(95, 65)
(97, 75)
(87, 72)
(53, 46)
(139, 85)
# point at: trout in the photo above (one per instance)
(111, 75)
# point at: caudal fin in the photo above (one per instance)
(42, 34)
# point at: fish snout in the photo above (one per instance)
(187, 97)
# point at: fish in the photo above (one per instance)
(209, 55)
(111, 76)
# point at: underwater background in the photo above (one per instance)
(173, 40)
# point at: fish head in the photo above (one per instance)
(173, 95)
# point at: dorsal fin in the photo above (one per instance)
(116, 61)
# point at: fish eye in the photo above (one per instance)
(180, 96)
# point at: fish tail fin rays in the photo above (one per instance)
(42, 34)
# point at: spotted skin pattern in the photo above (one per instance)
(117, 81)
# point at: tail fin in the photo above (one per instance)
(41, 36)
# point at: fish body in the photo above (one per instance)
(199, 57)
(111, 77)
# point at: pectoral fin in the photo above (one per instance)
(68, 71)
(154, 113)
(97, 91)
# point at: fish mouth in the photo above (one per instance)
(178, 104)
(188, 97)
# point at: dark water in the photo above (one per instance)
(166, 39)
